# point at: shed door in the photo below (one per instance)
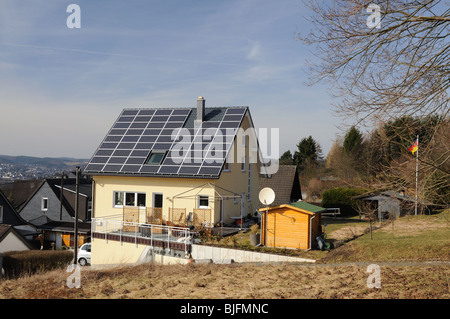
(286, 228)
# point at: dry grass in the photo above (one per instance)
(209, 281)
(414, 239)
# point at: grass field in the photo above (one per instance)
(410, 254)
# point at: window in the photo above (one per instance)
(141, 199)
(203, 201)
(1, 214)
(227, 167)
(118, 198)
(249, 191)
(129, 199)
(44, 204)
(155, 158)
(157, 200)
(243, 164)
(244, 140)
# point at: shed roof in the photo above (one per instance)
(300, 207)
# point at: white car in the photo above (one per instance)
(84, 254)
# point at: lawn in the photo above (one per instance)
(410, 238)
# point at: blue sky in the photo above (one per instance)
(61, 89)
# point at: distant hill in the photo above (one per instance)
(48, 162)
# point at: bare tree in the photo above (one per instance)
(382, 70)
(399, 68)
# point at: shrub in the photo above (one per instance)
(342, 197)
(26, 263)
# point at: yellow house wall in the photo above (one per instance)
(237, 180)
(105, 186)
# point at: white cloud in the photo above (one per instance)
(255, 50)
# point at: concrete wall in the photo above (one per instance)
(113, 252)
(218, 255)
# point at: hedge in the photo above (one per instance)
(26, 263)
(342, 197)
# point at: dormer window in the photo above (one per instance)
(155, 158)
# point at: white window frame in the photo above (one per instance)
(199, 199)
(44, 207)
(124, 193)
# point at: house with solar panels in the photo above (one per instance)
(162, 175)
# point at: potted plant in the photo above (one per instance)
(254, 235)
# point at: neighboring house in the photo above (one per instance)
(172, 167)
(61, 233)
(285, 183)
(12, 240)
(46, 201)
(389, 204)
(19, 191)
(9, 216)
(295, 225)
(47, 210)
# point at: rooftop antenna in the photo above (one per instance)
(266, 197)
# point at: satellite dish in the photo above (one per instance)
(266, 196)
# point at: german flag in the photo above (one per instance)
(413, 148)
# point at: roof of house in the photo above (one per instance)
(6, 229)
(390, 194)
(59, 226)
(285, 184)
(188, 148)
(10, 216)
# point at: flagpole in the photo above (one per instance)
(417, 173)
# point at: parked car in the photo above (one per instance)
(84, 254)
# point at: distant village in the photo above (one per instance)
(34, 169)
(10, 172)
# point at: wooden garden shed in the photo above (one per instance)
(295, 225)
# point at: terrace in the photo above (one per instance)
(118, 228)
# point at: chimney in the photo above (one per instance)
(200, 109)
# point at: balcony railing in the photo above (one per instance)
(199, 218)
(118, 229)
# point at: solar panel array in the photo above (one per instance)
(197, 151)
